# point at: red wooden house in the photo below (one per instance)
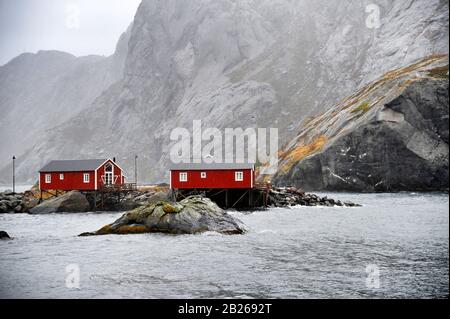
(81, 175)
(212, 176)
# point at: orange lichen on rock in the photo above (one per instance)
(124, 230)
(131, 229)
(297, 154)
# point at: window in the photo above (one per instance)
(108, 167)
(48, 178)
(239, 176)
(86, 178)
(203, 175)
(183, 177)
(61, 177)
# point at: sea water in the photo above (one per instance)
(395, 246)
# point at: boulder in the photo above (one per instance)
(4, 235)
(158, 197)
(29, 202)
(5, 206)
(193, 215)
(72, 202)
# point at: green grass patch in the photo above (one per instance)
(363, 108)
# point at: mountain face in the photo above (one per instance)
(391, 135)
(43, 90)
(252, 63)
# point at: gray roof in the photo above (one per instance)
(73, 166)
(214, 166)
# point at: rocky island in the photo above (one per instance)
(193, 215)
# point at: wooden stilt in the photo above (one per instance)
(237, 202)
(226, 199)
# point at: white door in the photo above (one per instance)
(109, 174)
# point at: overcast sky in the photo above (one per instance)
(80, 27)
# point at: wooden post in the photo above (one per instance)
(250, 199)
(226, 199)
(266, 198)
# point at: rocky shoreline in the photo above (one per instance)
(71, 202)
(291, 196)
(77, 202)
(153, 211)
(17, 202)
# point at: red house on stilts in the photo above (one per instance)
(229, 185)
(80, 175)
(212, 176)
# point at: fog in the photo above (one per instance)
(79, 27)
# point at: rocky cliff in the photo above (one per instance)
(233, 63)
(392, 135)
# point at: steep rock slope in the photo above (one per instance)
(392, 135)
(242, 64)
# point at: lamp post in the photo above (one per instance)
(135, 170)
(14, 174)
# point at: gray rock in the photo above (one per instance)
(4, 235)
(400, 143)
(29, 202)
(125, 205)
(4, 208)
(285, 197)
(191, 216)
(160, 196)
(72, 202)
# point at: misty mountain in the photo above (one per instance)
(252, 63)
(41, 91)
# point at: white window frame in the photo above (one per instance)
(239, 176)
(48, 178)
(203, 175)
(183, 177)
(86, 178)
(61, 176)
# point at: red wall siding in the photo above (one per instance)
(214, 179)
(72, 181)
(117, 172)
